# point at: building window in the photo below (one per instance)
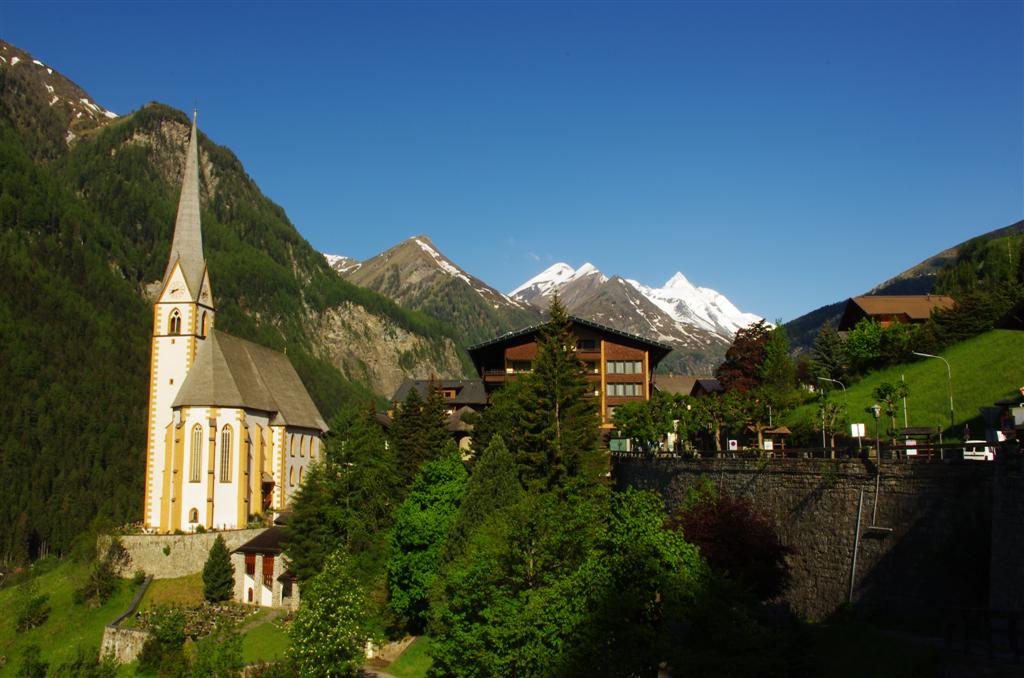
(196, 464)
(203, 326)
(518, 366)
(586, 344)
(193, 516)
(225, 455)
(624, 389)
(175, 325)
(286, 588)
(291, 475)
(590, 366)
(302, 446)
(268, 571)
(625, 367)
(250, 564)
(300, 474)
(291, 444)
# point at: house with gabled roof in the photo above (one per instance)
(619, 365)
(915, 308)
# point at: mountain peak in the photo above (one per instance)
(678, 280)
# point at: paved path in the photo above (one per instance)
(259, 619)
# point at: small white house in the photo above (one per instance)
(262, 576)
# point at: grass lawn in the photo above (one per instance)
(68, 627)
(186, 591)
(265, 642)
(414, 662)
(985, 369)
(855, 650)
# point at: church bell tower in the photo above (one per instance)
(182, 320)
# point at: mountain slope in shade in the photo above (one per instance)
(418, 276)
(697, 321)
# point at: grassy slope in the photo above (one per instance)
(414, 662)
(985, 369)
(69, 626)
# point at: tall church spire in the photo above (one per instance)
(187, 246)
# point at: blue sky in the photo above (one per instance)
(786, 154)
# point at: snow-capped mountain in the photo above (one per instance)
(415, 274)
(698, 321)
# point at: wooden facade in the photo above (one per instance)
(619, 366)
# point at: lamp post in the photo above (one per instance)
(949, 380)
(846, 404)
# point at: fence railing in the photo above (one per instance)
(931, 453)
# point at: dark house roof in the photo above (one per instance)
(467, 391)
(233, 372)
(706, 386)
(904, 308)
(271, 540)
(657, 350)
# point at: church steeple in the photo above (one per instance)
(187, 245)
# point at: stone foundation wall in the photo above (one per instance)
(185, 553)
(124, 645)
(936, 556)
(1007, 582)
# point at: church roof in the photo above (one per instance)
(233, 372)
(187, 245)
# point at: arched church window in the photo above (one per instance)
(291, 475)
(193, 516)
(302, 447)
(225, 455)
(300, 474)
(204, 326)
(175, 325)
(196, 454)
(291, 444)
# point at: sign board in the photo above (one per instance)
(769, 445)
(857, 430)
(734, 445)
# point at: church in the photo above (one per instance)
(231, 430)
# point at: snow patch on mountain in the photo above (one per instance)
(700, 306)
(341, 263)
(443, 263)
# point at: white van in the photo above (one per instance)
(978, 450)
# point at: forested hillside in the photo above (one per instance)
(84, 231)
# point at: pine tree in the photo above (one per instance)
(828, 355)
(493, 485)
(559, 422)
(218, 574)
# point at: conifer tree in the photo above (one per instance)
(347, 498)
(493, 485)
(559, 426)
(407, 433)
(828, 355)
(218, 574)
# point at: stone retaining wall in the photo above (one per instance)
(124, 645)
(936, 556)
(185, 553)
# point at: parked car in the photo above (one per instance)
(978, 450)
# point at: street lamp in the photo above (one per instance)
(876, 409)
(846, 404)
(949, 378)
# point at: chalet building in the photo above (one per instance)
(892, 309)
(619, 366)
(262, 576)
(461, 397)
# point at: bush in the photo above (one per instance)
(219, 655)
(88, 665)
(32, 665)
(138, 578)
(164, 651)
(31, 608)
(102, 581)
(737, 542)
